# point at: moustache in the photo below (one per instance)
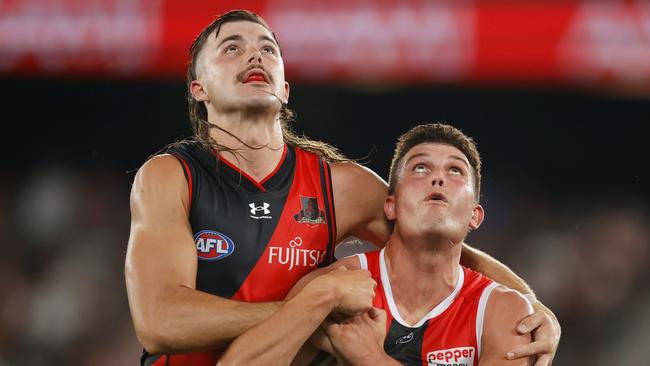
(242, 74)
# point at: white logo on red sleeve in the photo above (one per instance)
(461, 356)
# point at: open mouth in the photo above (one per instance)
(437, 197)
(256, 76)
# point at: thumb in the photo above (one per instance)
(377, 314)
(329, 326)
(374, 312)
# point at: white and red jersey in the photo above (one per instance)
(450, 334)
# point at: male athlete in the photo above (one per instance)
(255, 204)
(436, 312)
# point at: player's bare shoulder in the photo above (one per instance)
(503, 297)
(160, 177)
(359, 195)
(505, 308)
(158, 166)
(349, 174)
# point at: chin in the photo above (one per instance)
(262, 100)
(443, 230)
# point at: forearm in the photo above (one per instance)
(188, 320)
(278, 339)
(528, 361)
(497, 271)
(380, 360)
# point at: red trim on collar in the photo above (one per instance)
(277, 167)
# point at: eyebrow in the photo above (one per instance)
(455, 157)
(413, 157)
(237, 37)
(234, 37)
(267, 38)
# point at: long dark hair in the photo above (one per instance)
(198, 113)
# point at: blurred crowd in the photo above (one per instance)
(62, 293)
(64, 231)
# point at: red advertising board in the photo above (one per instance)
(343, 41)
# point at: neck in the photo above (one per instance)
(422, 273)
(256, 138)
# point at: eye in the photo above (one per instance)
(456, 170)
(420, 168)
(231, 49)
(268, 49)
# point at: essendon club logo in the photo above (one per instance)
(212, 245)
(310, 212)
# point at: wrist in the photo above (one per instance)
(321, 294)
(378, 359)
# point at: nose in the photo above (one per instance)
(255, 57)
(437, 180)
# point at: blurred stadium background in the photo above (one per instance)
(556, 94)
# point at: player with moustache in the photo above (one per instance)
(188, 299)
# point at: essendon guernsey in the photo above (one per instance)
(254, 240)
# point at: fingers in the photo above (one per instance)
(329, 325)
(531, 322)
(377, 314)
(373, 312)
(338, 317)
(544, 342)
(544, 360)
(534, 348)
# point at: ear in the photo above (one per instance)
(286, 92)
(198, 91)
(478, 214)
(389, 208)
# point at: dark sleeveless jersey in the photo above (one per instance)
(254, 240)
(450, 334)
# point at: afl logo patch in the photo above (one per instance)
(212, 245)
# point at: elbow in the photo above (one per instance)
(154, 326)
(155, 346)
(153, 340)
(154, 335)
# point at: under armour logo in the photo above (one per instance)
(407, 338)
(256, 209)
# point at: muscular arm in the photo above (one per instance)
(497, 271)
(169, 314)
(278, 339)
(505, 308)
(543, 325)
(359, 196)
